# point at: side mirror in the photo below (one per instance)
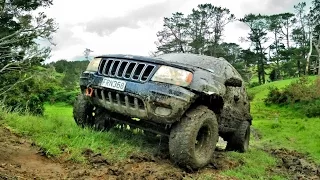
(234, 82)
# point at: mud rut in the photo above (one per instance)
(20, 159)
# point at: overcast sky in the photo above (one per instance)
(130, 27)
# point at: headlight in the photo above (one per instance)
(94, 65)
(172, 75)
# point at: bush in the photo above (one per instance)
(27, 92)
(303, 94)
(251, 95)
(312, 109)
(29, 96)
(301, 90)
(276, 96)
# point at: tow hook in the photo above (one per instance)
(89, 92)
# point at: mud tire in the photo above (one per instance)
(198, 124)
(87, 115)
(83, 111)
(240, 140)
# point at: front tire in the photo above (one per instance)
(193, 140)
(83, 111)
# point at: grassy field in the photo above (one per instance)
(58, 134)
(278, 127)
(284, 126)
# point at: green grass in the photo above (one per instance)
(283, 126)
(262, 91)
(58, 134)
(255, 165)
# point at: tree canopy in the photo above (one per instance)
(279, 42)
(20, 53)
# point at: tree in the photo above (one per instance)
(173, 37)
(287, 20)
(278, 41)
(249, 58)
(70, 71)
(199, 32)
(86, 53)
(19, 32)
(300, 35)
(258, 37)
(230, 52)
(315, 29)
(275, 27)
(219, 18)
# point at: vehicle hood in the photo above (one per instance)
(180, 60)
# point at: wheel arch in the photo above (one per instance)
(213, 102)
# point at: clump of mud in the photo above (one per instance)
(296, 164)
(221, 162)
(95, 158)
(147, 166)
(137, 166)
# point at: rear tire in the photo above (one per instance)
(193, 140)
(240, 140)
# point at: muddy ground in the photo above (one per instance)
(20, 159)
(295, 164)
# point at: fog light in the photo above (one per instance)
(162, 111)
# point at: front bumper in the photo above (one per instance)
(158, 102)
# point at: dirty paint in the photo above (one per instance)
(216, 84)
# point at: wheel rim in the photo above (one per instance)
(202, 141)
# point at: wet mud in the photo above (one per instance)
(296, 165)
(21, 159)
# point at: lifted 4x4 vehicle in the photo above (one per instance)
(192, 99)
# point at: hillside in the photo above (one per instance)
(283, 127)
(281, 137)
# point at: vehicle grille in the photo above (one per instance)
(119, 99)
(125, 69)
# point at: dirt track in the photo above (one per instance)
(20, 159)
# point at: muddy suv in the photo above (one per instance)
(192, 99)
